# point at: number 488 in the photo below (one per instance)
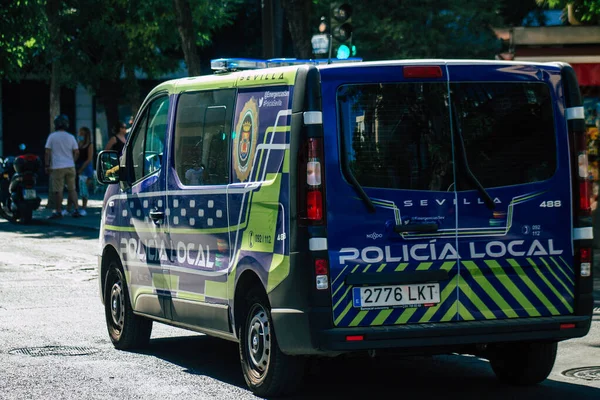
(550, 203)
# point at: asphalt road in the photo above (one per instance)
(54, 345)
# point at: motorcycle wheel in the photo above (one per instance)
(6, 213)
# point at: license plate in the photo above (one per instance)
(29, 194)
(415, 295)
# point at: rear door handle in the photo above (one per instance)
(157, 216)
(421, 228)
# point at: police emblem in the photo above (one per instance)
(244, 144)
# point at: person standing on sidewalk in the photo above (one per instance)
(61, 152)
(84, 167)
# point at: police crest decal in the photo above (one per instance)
(244, 144)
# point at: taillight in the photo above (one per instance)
(322, 274)
(585, 261)
(314, 181)
(580, 150)
(582, 193)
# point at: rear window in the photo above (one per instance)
(508, 131)
(398, 135)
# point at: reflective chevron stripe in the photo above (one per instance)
(484, 290)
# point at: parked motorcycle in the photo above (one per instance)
(18, 179)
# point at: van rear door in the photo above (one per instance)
(391, 221)
(515, 256)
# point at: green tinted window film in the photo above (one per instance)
(202, 132)
(397, 135)
(508, 131)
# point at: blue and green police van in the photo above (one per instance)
(306, 209)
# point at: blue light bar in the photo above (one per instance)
(280, 62)
(236, 64)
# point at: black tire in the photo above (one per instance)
(126, 330)
(25, 213)
(267, 371)
(523, 364)
(6, 212)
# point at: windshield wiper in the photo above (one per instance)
(487, 199)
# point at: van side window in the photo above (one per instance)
(149, 138)
(508, 131)
(397, 135)
(202, 132)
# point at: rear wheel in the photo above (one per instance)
(267, 371)
(126, 330)
(523, 363)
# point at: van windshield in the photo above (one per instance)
(398, 135)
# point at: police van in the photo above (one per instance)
(306, 209)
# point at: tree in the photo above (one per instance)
(297, 13)
(578, 11)
(520, 12)
(425, 29)
(197, 20)
(22, 36)
(185, 25)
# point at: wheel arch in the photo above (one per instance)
(247, 279)
(109, 254)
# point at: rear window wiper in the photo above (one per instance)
(487, 199)
(359, 190)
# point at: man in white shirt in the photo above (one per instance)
(61, 152)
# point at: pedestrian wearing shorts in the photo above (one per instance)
(61, 152)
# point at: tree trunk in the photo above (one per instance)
(108, 95)
(297, 13)
(52, 9)
(132, 89)
(185, 27)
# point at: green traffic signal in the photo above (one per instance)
(341, 29)
(343, 52)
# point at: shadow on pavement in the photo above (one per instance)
(42, 230)
(423, 377)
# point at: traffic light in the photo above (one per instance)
(341, 29)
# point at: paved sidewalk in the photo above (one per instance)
(90, 221)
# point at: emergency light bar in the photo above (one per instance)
(237, 64)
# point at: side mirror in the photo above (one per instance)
(107, 167)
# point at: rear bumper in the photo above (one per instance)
(456, 333)
(300, 333)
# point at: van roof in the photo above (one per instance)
(236, 78)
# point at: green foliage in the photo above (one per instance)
(23, 35)
(426, 28)
(585, 11)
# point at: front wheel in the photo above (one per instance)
(126, 330)
(267, 371)
(523, 363)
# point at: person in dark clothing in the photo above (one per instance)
(117, 142)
